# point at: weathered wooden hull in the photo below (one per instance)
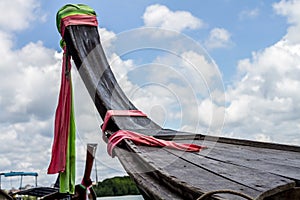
(258, 170)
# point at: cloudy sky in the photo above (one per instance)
(230, 70)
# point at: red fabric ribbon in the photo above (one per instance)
(140, 139)
(63, 110)
(130, 113)
(62, 120)
(89, 20)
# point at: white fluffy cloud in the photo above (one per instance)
(264, 102)
(29, 84)
(162, 17)
(18, 14)
(218, 38)
(28, 79)
(267, 94)
(290, 9)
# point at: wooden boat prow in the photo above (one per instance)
(255, 170)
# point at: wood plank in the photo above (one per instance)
(269, 155)
(204, 180)
(283, 163)
(269, 184)
(168, 134)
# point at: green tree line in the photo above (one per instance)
(116, 186)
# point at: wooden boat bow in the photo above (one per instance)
(255, 169)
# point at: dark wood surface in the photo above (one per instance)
(192, 174)
(260, 170)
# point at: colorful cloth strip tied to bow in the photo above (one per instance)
(140, 139)
(63, 148)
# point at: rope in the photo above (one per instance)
(208, 194)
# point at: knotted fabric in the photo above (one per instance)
(129, 113)
(140, 139)
(63, 148)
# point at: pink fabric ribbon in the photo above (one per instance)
(63, 110)
(89, 20)
(130, 113)
(140, 139)
(62, 121)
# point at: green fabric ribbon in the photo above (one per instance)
(67, 178)
(72, 9)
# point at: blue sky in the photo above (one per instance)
(247, 87)
(253, 25)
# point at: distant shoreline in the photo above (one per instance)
(116, 186)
